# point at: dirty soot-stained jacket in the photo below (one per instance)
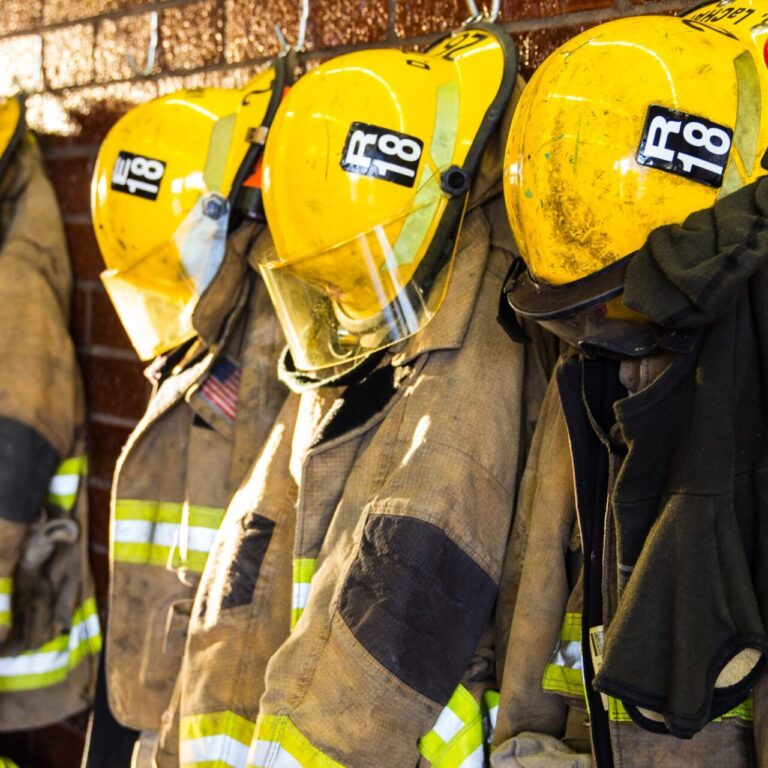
(344, 616)
(542, 717)
(215, 403)
(49, 628)
(672, 506)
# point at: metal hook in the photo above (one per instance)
(284, 47)
(491, 15)
(302, 35)
(303, 25)
(151, 51)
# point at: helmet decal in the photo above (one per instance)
(383, 153)
(688, 145)
(137, 175)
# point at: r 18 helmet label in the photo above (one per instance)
(383, 153)
(684, 144)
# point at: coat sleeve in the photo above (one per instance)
(39, 384)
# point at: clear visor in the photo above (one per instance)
(155, 297)
(370, 292)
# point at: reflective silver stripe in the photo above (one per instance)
(47, 661)
(301, 594)
(568, 654)
(475, 760)
(219, 749)
(132, 531)
(5, 602)
(448, 724)
(274, 753)
(197, 538)
(64, 485)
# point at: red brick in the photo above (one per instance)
(346, 22)
(18, 15)
(80, 314)
(106, 442)
(81, 118)
(84, 253)
(415, 19)
(98, 513)
(249, 27)
(115, 39)
(100, 570)
(58, 745)
(22, 64)
(512, 10)
(71, 10)
(71, 177)
(106, 328)
(115, 387)
(68, 56)
(192, 35)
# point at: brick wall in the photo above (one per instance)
(71, 57)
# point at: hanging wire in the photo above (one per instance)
(151, 51)
(491, 15)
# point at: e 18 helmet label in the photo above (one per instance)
(685, 144)
(380, 152)
(137, 175)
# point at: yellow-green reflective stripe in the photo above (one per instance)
(617, 712)
(462, 730)
(563, 673)
(6, 763)
(164, 557)
(569, 681)
(427, 200)
(62, 491)
(166, 534)
(6, 590)
(303, 570)
(52, 662)
(168, 512)
(564, 680)
(215, 740)
(747, 128)
(446, 127)
(571, 628)
(279, 743)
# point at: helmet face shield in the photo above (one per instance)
(366, 176)
(156, 296)
(361, 295)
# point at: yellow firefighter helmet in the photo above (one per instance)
(11, 129)
(628, 126)
(366, 177)
(163, 186)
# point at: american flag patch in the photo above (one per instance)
(221, 386)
